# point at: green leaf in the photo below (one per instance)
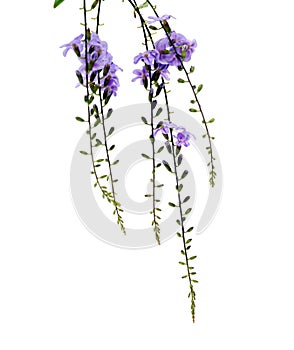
(193, 110)
(160, 149)
(80, 77)
(165, 163)
(186, 199)
(110, 111)
(188, 211)
(144, 120)
(180, 159)
(159, 111)
(145, 156)
(211, 120)
(190, 229)
(168, 147)
(97, 122)
(84, 153)
(57, 3)
(185, 173)
(180, 187)
(111, 131)
(181, 81)
(145, 4)
(171, 204)
(200, 87)
(80, 119)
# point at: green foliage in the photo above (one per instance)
(57, 3)
(80, 119)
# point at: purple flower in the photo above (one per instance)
(163, 70)
(99, 59)
(76, 43)
(165, 127)
(149, 57)
(159, 19)
(110, 83)
(168, 53)
(183, 137)
(141, 74)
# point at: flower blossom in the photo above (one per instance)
(180, 46)
(148, 57)
(154, 19)
(181, 135)
(98, 60)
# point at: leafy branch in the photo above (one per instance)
(195, 91)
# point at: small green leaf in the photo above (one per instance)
(193, 257)
(180, 187)
(160, 149)
(97, 122)
(144, 120)
(165, 163)
(193, 110)
(111, 131)
(159, 111)
(181, 81)
(80, 119)
(180, 159)
(211, 120)
(109, 113)
(171, 204)
(188, 211)
(145, 156)
(200, 87)
(80, 77)
(168, 147)
(112, 148)
(190, 229)
(84, 153)
(185, 173)
(186, 199)
(57, 3)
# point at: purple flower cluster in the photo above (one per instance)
(166, 52)
(177, 45)
(99, 60)
(182, 136)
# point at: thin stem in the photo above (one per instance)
(194, 92)
(192, 292)
(113, 199)
(114, 202)
(88, 97)
(98, 17)
(155, 223)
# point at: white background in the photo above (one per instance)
(63, 289)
